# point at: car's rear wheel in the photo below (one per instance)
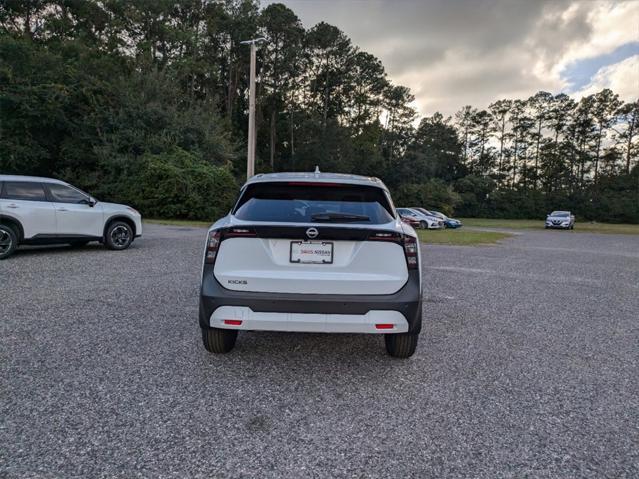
(8, 241)
(119, 235)
(423, 225)
(217, 340)
(401, 345)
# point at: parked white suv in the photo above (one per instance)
(46, 211)
(312, 252)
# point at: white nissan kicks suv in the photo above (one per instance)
(312, 252)
(46, 211)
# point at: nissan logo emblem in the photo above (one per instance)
(312, 233)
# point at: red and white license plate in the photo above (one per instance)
(313, 252)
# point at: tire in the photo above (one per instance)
(8, 241)
(219, 341)
(401, 345)
(423, 225)
(119, 236)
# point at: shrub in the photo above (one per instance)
(432, 194)
(179, 184)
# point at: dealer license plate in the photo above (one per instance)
(312, 252)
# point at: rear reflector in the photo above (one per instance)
(233, 322)
(384, 326)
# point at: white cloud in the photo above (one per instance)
(622, 78)
(613, 24)
(463, 79)
(455, 53)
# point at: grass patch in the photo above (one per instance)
(191, 223)
(584, 227)
(461, 237)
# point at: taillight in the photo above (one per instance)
(212, 245)
(410, 251)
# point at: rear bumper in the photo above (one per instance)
(302, 307)
(373, 322)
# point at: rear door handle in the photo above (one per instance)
(62, 209)
(12, 205)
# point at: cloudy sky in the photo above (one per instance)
(453, 53)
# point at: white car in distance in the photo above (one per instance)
(37, 211)
(560, 219)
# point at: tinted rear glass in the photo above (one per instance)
(311, 203)
(23, 190)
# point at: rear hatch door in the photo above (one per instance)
(312, 239)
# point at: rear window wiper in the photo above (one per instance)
(338, 217)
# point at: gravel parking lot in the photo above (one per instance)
(527, 367)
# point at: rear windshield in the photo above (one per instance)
(314, 203)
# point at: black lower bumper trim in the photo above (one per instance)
(408, 301)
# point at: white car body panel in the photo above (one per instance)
(263, 265)
(110, 210)
(36, 217)
(309, 323)
(79, 219)
(342, 178)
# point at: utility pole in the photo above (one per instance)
(250, 156)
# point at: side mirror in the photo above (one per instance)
(90, 201)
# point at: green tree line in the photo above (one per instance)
(146, 102)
